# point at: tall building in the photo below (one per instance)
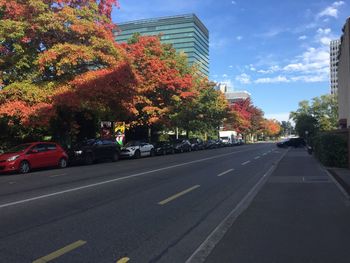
(185, 32)
(333, 65)
(344, 77)
(232, 96)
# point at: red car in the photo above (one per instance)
(25, 157)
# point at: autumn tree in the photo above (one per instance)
(205, 113)
(43, 46)
(51, 39)
(271, 127)
(163, 79)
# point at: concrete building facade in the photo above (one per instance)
(344, 77)
(232, 96)
(333, 65)
(185, 32)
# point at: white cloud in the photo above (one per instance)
(239, 38)
(218, 43)
(272, 33)
(303, 37)
(313, 60)
(338, 3)
(233, 2)
(332, 10)
(280, 116)
(270, 70)
(310, 78)
(324, 36)
(231, 66)
(243, 78)
(224, 75)
(278, 79)
(324, 31)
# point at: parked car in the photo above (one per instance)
(197, 144)
(294, 142)
(240, 142)
(25, 157)
(219, 143)
(211, 144)
(182, 145)
(137, 149)
(94, 150)
(163, 148)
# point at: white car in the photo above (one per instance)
(137, 149)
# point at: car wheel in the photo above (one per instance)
(152, 153)
(137, 154)
(89, 159)
(115, 157)
(62, 163)
(24, 167)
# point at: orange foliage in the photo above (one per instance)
(271, 127)
(106, 89)
(159, 81)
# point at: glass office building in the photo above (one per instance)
(185, 32)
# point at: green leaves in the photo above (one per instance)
(319, 115)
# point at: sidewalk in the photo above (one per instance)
(299, 215)
(342, 175)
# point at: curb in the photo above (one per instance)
(204, 250)
(342, 186)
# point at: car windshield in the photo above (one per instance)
(132, 143)
(88, 142)
(18, 148)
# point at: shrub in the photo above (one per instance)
(331, 149)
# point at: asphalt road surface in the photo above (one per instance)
(158, 209)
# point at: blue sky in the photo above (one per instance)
(277, 50)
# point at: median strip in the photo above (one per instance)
(226, 172)
(171, 198)
(60, 252)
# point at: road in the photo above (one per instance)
(158, 209)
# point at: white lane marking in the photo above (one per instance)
(245, 162)
(264, 154)
(57, 175)
(226, 172)
(12, 182)
(257, 157)
(203, 251)
(115, 180)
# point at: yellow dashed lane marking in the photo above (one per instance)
(171, 198)
(60, 252)
(123, 260)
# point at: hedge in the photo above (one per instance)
(331, 149)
